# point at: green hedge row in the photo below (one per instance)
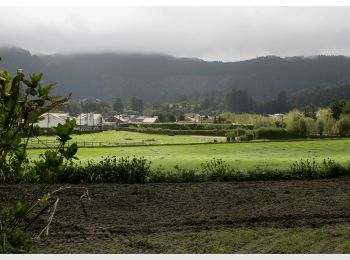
(275, 133)
(175, 126)
(138, 170)
(213, 132)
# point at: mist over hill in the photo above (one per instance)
(162, 78)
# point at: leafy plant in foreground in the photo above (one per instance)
(22, 103)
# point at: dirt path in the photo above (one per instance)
(123, 210)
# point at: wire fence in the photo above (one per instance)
(43, 144)
(38, 143)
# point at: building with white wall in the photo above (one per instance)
(52, 119)
(90, 119)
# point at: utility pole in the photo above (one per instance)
(81, 111)
(48, 119)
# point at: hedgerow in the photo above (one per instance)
(126, 170)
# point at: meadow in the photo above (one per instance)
(276, 155)
(115, 138)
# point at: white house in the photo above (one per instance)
(275, 115)
(118, 119)
(52, 119)
(192, 117)
(150, 120)
(90, 119)
(136, 119)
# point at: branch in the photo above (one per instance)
(47, 227)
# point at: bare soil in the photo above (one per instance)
(116, 212)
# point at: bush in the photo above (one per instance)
(109, 169)
(248, 119)
(188, 175)
(23, 101)
(306, 169)
(271, 133)
(216, 169)
(233, 134)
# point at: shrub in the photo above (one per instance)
(188, 175)
(306, 169)
(110, 169)
(271, 133)
(22, 103)
(248, 119)
(231, 135)
(216, 169)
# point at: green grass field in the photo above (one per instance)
(277, 155)
(126, 138)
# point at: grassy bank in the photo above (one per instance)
(274, 155)
(108, 138)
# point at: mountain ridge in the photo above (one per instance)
(165, 78)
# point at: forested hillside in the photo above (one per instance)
(161, 78)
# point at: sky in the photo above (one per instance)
(210, 33)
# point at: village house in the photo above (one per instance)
(119, 119)
(90, 119)
(52, 119)
(275, 115)
(192, 117)
(150, 120)
(116, 120)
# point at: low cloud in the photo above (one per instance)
(211, 33)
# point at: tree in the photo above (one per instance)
(73, 107)
(118, 105)
(296, 124)
(22, 103)
(164, 117)
(136, 104)
(207, 102)
(346, 108)
(310, 111)
(282, 104)
(320, 127)
(343, 126)
(336, 108)
(239, 101)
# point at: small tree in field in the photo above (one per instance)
(22, 103)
